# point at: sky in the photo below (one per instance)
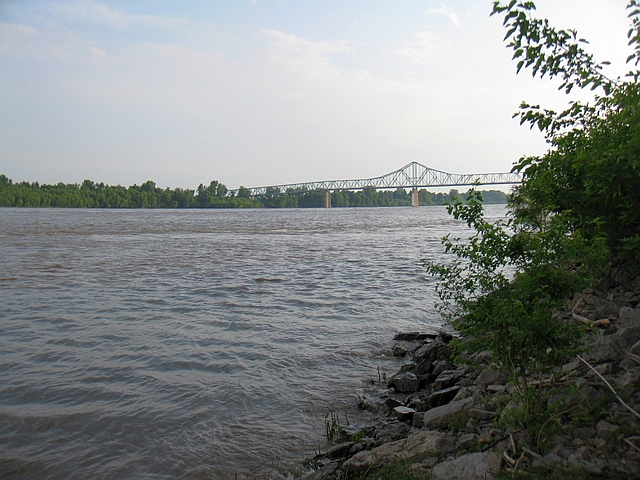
(265, 92)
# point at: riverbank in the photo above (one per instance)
(442, 417)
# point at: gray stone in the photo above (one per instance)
(497, 388)
(440, 417)
(405, 382)
(583, 433)
(418, 444)
(629, 379)
(465, 441)
(442, 397)
(628, 317)
(404, 414)
(469, 467)
(446, 379)
(464, 392)
(399, 351)
(483, 357)
(339, 451)
(606, 429)
(428, 352)
(392, 432)
(489, 377)
(482, 414)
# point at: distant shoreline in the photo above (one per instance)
(216, 195)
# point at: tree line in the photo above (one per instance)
(90, 194)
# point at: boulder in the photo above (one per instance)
(405, 382)
(442, 397)
(490, 377)
(446, 379)
(628, 317)
(420, 444)
(404, 414)
(440, 417)
(469, 467)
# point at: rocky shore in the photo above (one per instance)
(442, 417)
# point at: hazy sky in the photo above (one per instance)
(261, 92)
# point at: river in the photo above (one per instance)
(157, 344)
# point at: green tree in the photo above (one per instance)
(577, 209)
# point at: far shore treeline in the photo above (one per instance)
(98, 195)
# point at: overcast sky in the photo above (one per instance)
(262, 92)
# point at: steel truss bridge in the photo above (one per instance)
(413, 176)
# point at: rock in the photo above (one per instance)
(629, 379)
(606, 429)
(412, 336)
(489, 377)
(428, 352)
(443, 352)
(404, 414)
(628, 317)
(392, 403)
(391, 432)
(497, 388)
(442, 397)
(440, 417)
(482, 414)
(418, 444)
(399, 351)
(469, 467)
(339, 451)
(583, 433)
(483, 357)
(465, 441)
(405, 382)
(446, 379)
(373, 404)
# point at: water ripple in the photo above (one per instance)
(198, 344)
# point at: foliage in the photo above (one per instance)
(591, 173)
(333, 428)
(577, 210)
(504, 283)
(99, 195)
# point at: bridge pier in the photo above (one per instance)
(415, 200)
(327, 199)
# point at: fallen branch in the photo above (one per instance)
(592, 323)
(622, 402)
(633, 445)
(633, 356)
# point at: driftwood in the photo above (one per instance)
(603, 322)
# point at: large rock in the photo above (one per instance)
(612, 348)
(628, 317)
(405, 382)
(469, 467)
(490, 377)
(440, 417)
(418, 445)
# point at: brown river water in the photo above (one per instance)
(156, 344)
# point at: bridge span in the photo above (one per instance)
(412, 176)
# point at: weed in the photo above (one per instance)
(459, 421)
(399, 471)
(332, 426)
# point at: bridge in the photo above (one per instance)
(412, 176)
